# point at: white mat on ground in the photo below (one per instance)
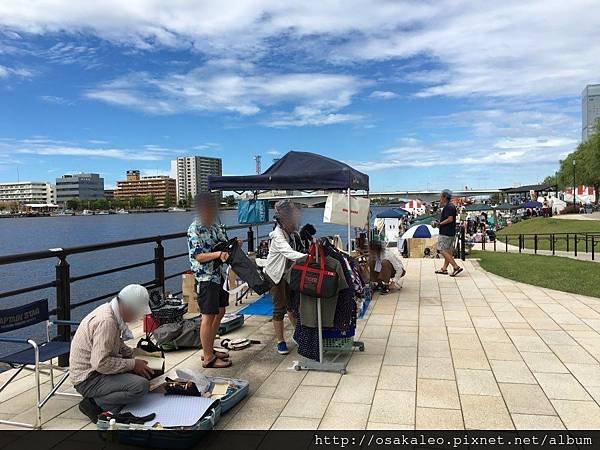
(171, 410)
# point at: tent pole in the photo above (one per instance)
(349, 223)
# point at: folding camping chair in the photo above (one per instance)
(40, 355)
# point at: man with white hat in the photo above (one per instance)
(101, 366)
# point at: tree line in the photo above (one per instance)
(582, 166)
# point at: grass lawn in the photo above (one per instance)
(541, 225)
(554, 272)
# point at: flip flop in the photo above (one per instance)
(442, 272)
(456, 272)
(212, 364)
(218, 354)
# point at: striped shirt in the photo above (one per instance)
(97, 347)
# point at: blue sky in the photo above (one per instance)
(417, 94)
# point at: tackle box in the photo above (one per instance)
(230, 322)
(179, 437)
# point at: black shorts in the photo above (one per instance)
(211, 297)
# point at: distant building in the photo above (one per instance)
(162, 188)
(191, 174)
(27, 192)
(109, 194)
(81, 186)
(590, 110)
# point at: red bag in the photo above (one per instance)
(314, 278)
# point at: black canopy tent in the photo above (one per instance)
(302, 171)
(297, 170)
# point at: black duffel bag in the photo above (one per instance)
(314, 278)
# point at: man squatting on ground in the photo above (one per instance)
(101, 366)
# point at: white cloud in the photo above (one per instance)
(6, 72)
(39, 145)
(538, 47)
(383, 95)
(318, 96)
(56, 100)
(498, 138)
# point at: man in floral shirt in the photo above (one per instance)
(210, 271)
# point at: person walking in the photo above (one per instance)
(447, 227)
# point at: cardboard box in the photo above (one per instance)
(417, 246)
(188, 292)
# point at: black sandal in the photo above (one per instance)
(211, 364)
(442, 272)
(456, 271)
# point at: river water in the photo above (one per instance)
(21, 235)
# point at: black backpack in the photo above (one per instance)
(243, 266)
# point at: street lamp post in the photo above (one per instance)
(574, 184)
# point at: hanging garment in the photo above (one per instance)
(312, 276)
(243, 266)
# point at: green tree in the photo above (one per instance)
(169, 200)
(189, 200)
(73, 204)
(230, 200)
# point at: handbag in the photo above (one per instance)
(314, 278)
(253, 211)
(336, 210)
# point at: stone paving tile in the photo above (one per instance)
(400, 356)
(439, 419)
(355, 389)
(470, 359)
(257, 414)
(436, 368)
(476, 382)
(578, 415)
(295, 423)
(512, 372)
(503, 351)
(544, 362)
(437, 394)
(345, 416)
(526, 399)
(397, 378)
(314, 378)
(483, 412)
(587, 374)
(537, 422)
(308, 401)
(561, 386)
(393, 407)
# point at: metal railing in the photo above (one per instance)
(575, 242)
(63, 279)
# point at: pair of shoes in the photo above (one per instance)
(385, 289)
(90, 409)
(282, 348)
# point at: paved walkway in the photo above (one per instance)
(477, 351)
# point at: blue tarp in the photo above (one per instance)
(531, 204)
(296, 170)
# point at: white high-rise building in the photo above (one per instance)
(590, 110)
(191, 174)
(23, 192)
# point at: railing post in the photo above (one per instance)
(495, 239)
(250, 239)
(462, 243)
(593, 245)
(520, 242)
(535, 243)
(553, 244)
(63, 303)
(506, 242)
(567, 241)
(575, 243)
(159, 266)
